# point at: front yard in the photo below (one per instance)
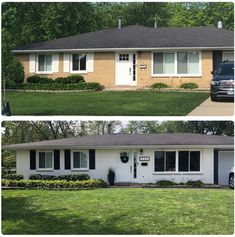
(118, 211)
(135, 103)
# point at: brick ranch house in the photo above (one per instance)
(137, 158)
(134, 55)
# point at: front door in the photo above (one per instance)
(125, 167)
(126, 74)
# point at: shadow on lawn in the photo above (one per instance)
(19, 217)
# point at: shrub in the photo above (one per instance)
(41, 177)
(60, 86)
(162, 183)
(73, 177)
(189, 86)
(196, 183)
(13, 73)
(54, 184)
(111, 176)
(13, 176)
(159, 86)
(73, 79)
(38, 79)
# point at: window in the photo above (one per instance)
(78, 62)
(80, 160)
(189, 161)
(45, 160)
(188, 63)
(164, 63)
(44, 63)
(123, 57)
(176, 63)
(165, 161)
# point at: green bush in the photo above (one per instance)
(111, 176)
(73, 177)
(189, 86)
(41, 177)
(163, 183)
(13, 176)
(73, 79)
(37, 79)
(60, 86)
(159, 86)
(54, 184)
(13, 73)
(196, 183)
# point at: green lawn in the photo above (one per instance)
(105, 103)
(118, 211)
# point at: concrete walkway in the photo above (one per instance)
(210, 108)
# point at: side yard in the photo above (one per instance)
(118, 211)
(132, 103)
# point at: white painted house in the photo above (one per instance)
(138, 158)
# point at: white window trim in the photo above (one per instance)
(37, 161)
(177, 162)
(175, 74)
(44, 72)
(81, 169)
(71, 64)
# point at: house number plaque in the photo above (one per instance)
(144, 158)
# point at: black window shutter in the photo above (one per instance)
(32, 155)
(56, 159)
(92, 159)
(67, 159)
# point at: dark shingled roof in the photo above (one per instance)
(112, 140)
(141, 37)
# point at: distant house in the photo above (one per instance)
(135, 158)
(134, 56)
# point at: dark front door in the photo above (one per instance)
(217, 59)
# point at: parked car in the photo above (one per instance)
(222, 84)
(231, 178)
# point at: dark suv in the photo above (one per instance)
(222, 84)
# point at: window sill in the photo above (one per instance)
(44, 170)
(175, 75)
(78, 72)
(177, 173)
(44, 73)
(75, 170)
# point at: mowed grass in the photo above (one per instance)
(105, 103)
(118, 211)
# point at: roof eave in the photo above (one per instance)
(15, 148)
(120, 49)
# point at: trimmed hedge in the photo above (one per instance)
(73, 79)
(37, 79)
(13, 176)
(159, 86)
(196, 183)
(59, 86)
(55, 184)
(73, 177)
(165, 183)
(189, 86)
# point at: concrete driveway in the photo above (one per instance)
(210, 108)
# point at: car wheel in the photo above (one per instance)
(231, 181)
(213, 98)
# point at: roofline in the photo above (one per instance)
(118, 49)
(6, 147)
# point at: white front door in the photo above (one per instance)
(126, 74)
(125, 167)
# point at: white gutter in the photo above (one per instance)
(121, 49)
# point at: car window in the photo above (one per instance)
(225, 69)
